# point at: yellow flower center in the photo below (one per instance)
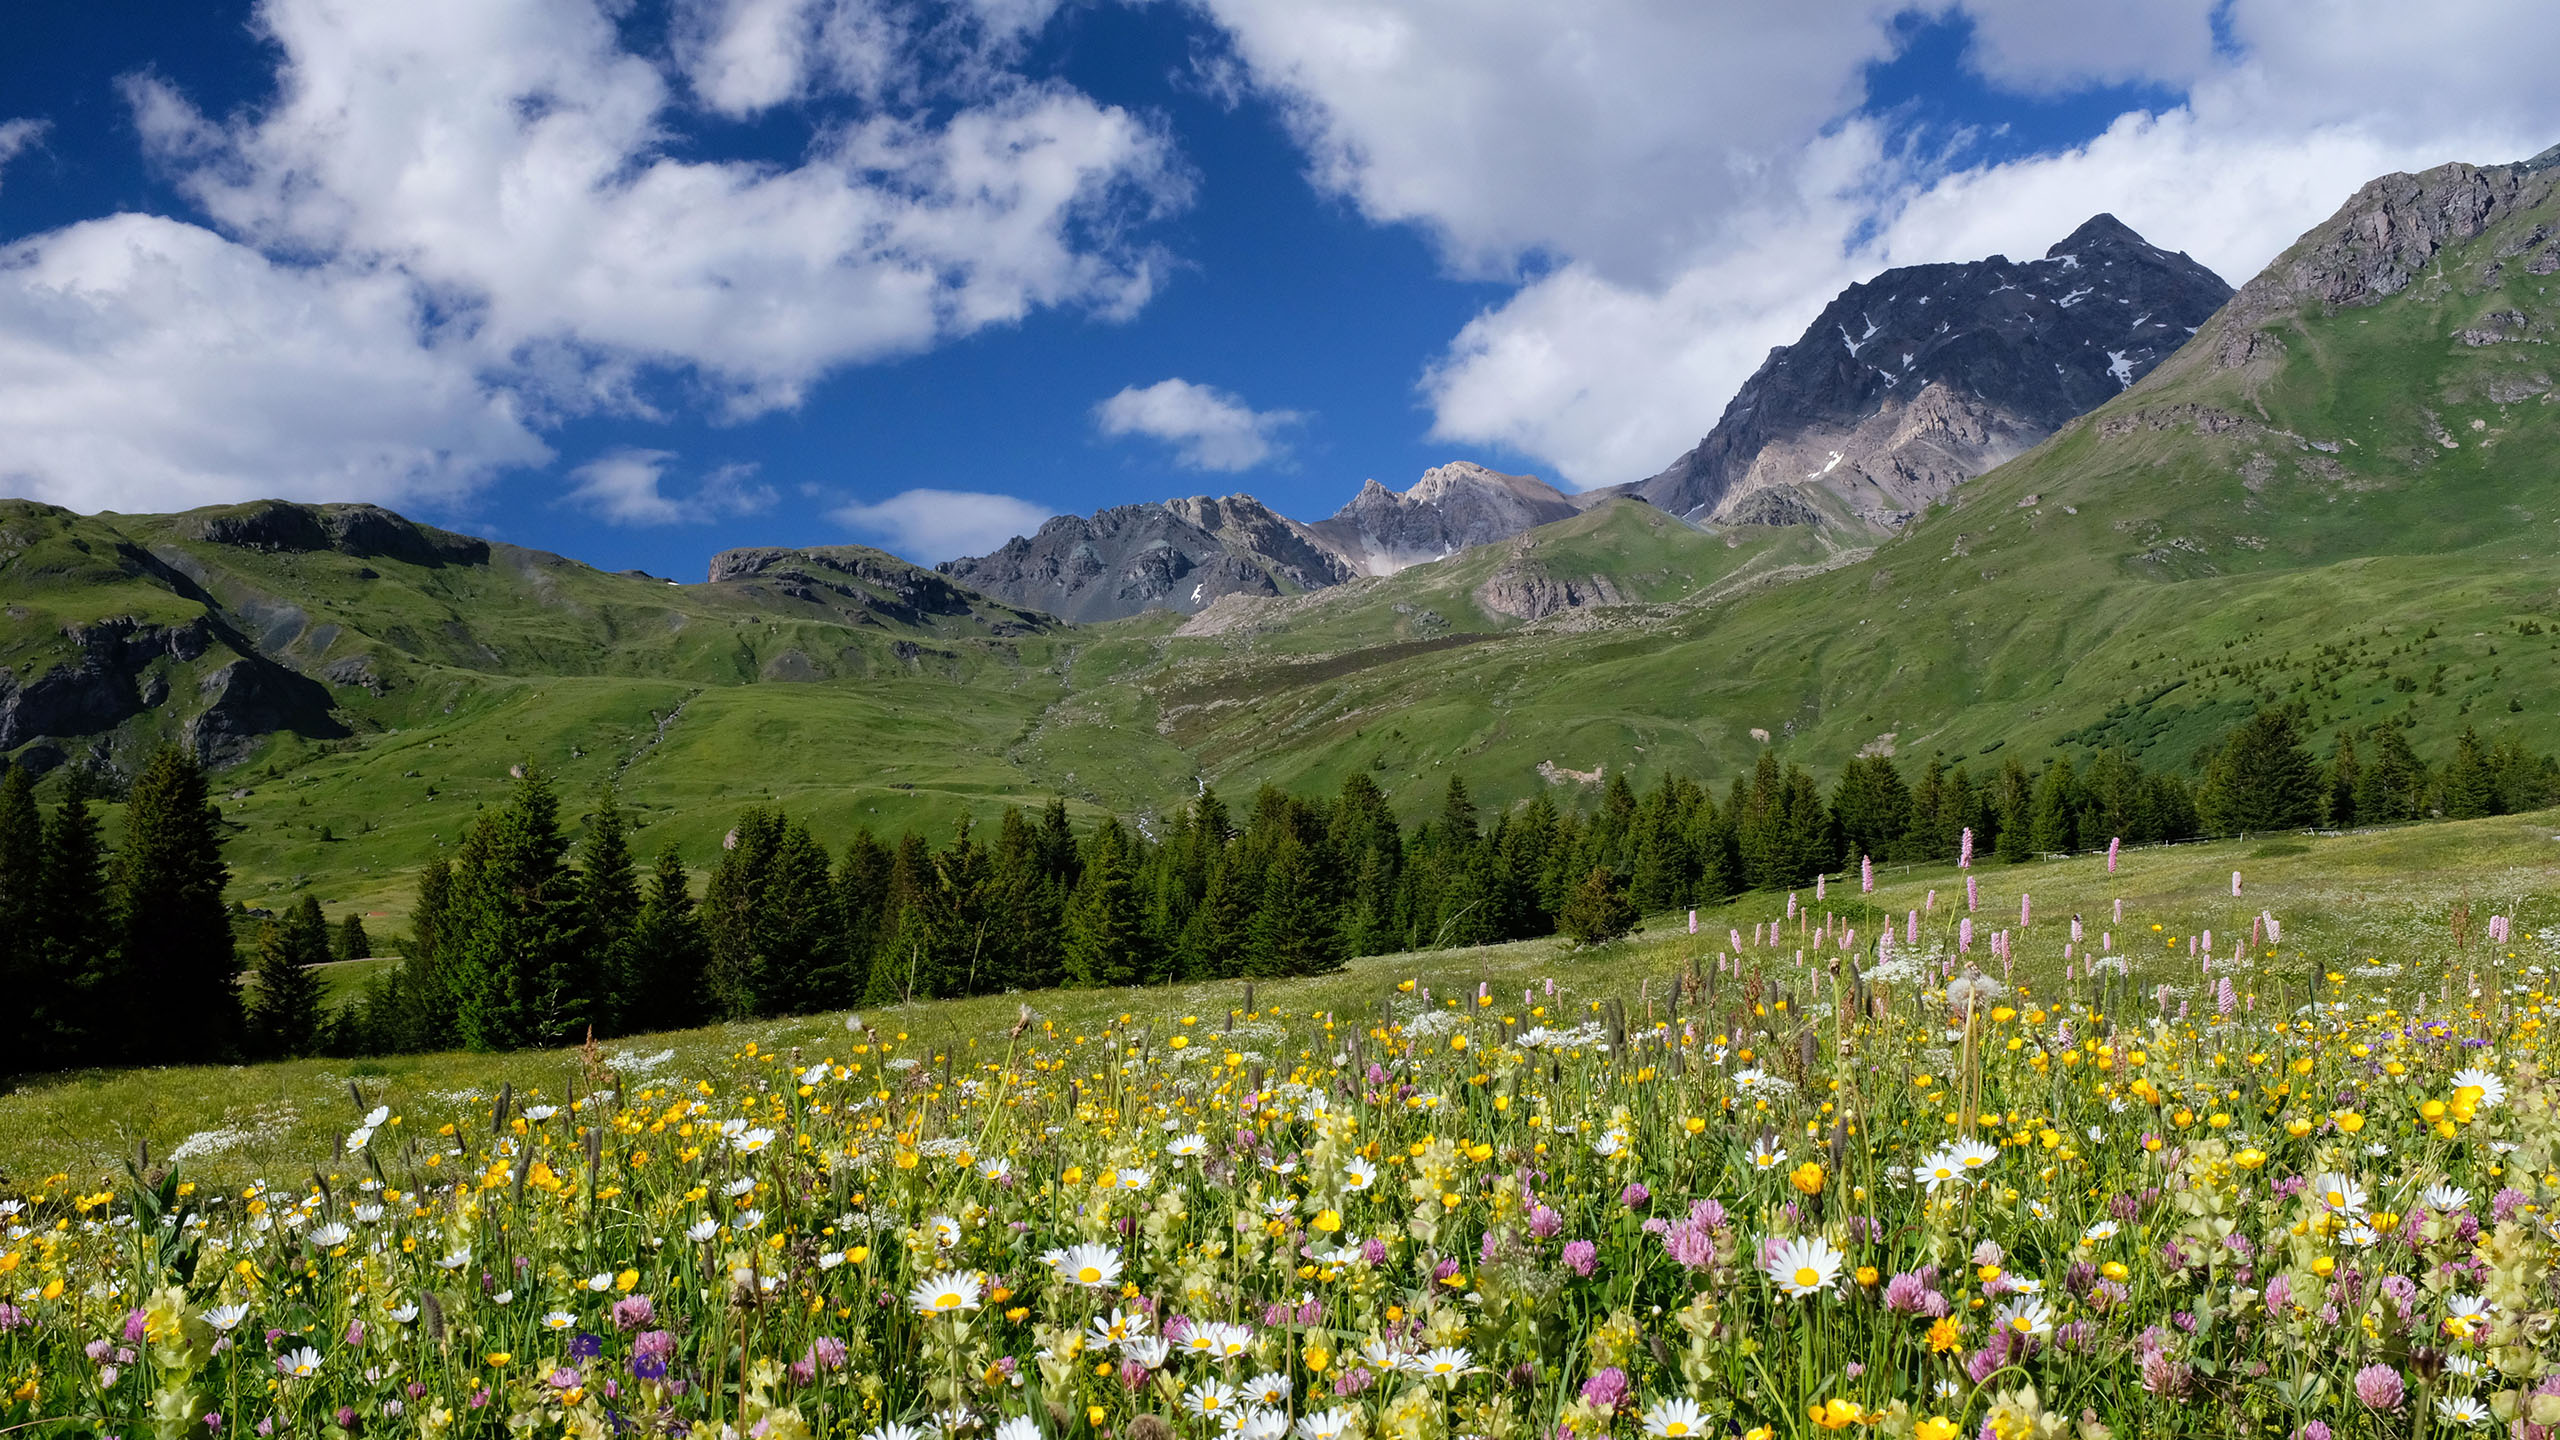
(1090, 1275)
(1807, 1276)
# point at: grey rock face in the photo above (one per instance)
(1174, 555)
(1183, 555)
(2379, 243)
(1451, 508)
(1910, 383)
(863, 585)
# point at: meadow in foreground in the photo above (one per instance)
(1788, 1193)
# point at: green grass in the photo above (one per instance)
(2343, 900)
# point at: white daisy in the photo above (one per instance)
(1804, 1266)
(1675, 1419)
(948, 1292)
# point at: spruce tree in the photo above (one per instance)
(862, 897)
(283, 1019)
(1104, 940)
(1598, 912)
(1928, 805)
(72, 1011)
(417, 1007)
(732, 906)
(351, 942)
(898, 961)
(669, 953)
(21, 914)
(1810, 843)
(957, 917)
(2261, 778)
(2346, 772)
(608, 905)
(1873, 807)
(795, 935)
(1219, 936)
(178, 976)
(2470, 786)
(2016, 837)
(2394, 783)
(1293, 930)
(1023, 929)
(519, 964)
(1761, 828)
(2054, 813)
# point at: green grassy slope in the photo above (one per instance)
(2290, 528)
(2387, 896)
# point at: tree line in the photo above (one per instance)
(519, 942)
(530, 936)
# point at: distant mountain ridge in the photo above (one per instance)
(1185, 555)
(1909, 384)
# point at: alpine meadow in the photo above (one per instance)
(2011, 890)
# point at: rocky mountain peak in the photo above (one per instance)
(1451, 508)
(1998, 354)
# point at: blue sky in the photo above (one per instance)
(639, 282)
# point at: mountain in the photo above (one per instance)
(1911, 383)
(1170, 555)
(1451, 508)
(1186, 555)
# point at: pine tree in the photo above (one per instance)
(862, 900)
(1761, 828)
(2394, 783)
(793, 934)
(1928, 804)
(283, 1018)
(732, 906)
(1872, 807)
(2016, 826)
(1104, 941)
(2346, 772)
(21, 915)
(1598, 912)
(1220, 933)
(608, 906)
(71, 1009)
(178, 975)
(2470, 785)
(351, 942)
(2261, 778)
(1293, 928)
(957, 917)
(897, 964)
(518, 961)
(2054, 813)
(1023, 926)
(669, 953)
(1811, 844)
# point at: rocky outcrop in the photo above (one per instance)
(1186, 555)
(1451, 508)
(1525, 590)
(2386, 238)
(363, 531)
(123, 669)
(1915, 381)
(863, 585)
(249, 699)
(1172, 555)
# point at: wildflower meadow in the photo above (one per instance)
(1844, 1170)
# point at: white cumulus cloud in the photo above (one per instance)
(16, 136)
(626, 486)
(500, 197)
(929, 526)
(1208, 428)
(1682, 186)
(147, 364)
